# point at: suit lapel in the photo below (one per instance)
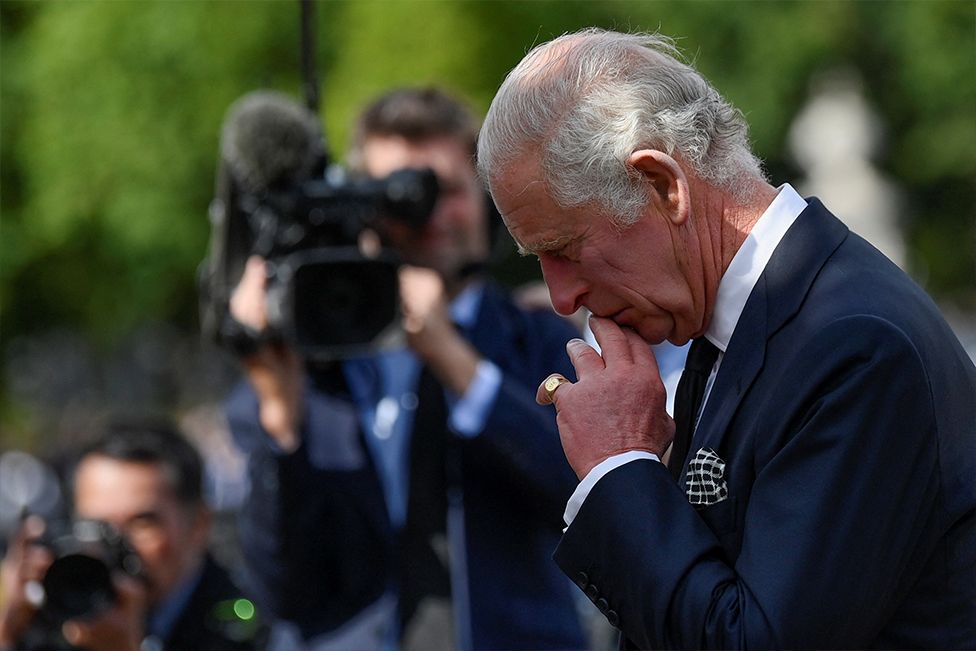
(777, 296)
(739, 368)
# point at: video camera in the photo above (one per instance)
(86, 555)
(277, 198)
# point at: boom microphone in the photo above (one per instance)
(269, 141)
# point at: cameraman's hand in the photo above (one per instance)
(21, 572)
(430, 332)
(275, 370)
(117, 629)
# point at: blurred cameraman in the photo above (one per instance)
(145, 481)
(412, 498)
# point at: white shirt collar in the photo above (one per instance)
(750, 261)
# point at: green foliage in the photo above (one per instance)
(111, 114)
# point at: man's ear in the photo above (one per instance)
(667, 182)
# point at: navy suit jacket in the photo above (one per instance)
(317, 534)
(845, 410)
(210, 620)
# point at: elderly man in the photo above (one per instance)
(827, 496)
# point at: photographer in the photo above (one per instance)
(412, 497)
(142, 481)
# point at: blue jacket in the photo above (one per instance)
(316, 532)
(845, 411)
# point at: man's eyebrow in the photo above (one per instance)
(545, 246)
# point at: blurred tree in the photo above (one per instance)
(110, 115)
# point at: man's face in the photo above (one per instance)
(137, 499)
(456, 234)
(635, 276)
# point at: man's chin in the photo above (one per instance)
(652, 333)
(622, 319)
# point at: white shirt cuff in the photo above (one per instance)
(596, 474)
(469, 413)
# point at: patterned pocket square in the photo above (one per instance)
(706, 483)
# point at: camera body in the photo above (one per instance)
(325, 295)
(86, 555)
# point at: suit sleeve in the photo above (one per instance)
(311, 527)
(519, 448)
(839, 513)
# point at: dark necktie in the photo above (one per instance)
(424, 572)
(688, 398)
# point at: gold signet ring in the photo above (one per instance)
(552, 383)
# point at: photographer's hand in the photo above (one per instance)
(117, 629)
(21, 572)
(430, 331)
(274, 370)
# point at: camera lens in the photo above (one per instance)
(341, 300)
(76, 585)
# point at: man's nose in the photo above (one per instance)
(566, 288)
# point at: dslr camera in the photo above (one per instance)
(86, 555)
(277, 197)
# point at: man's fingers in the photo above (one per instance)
(34, 527)
(614, 344)
(546, 393)
(75, 633)
(30, 530)
(131, 592)
(421, 296)
(36, 561)
(641, 351)
(583, 357)
(247, 303)
(31, 559)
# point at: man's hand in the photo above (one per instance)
(424, 304)
(118, 629)
(21, 573)
(430, 332)
(617, 404)
(275, 370)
